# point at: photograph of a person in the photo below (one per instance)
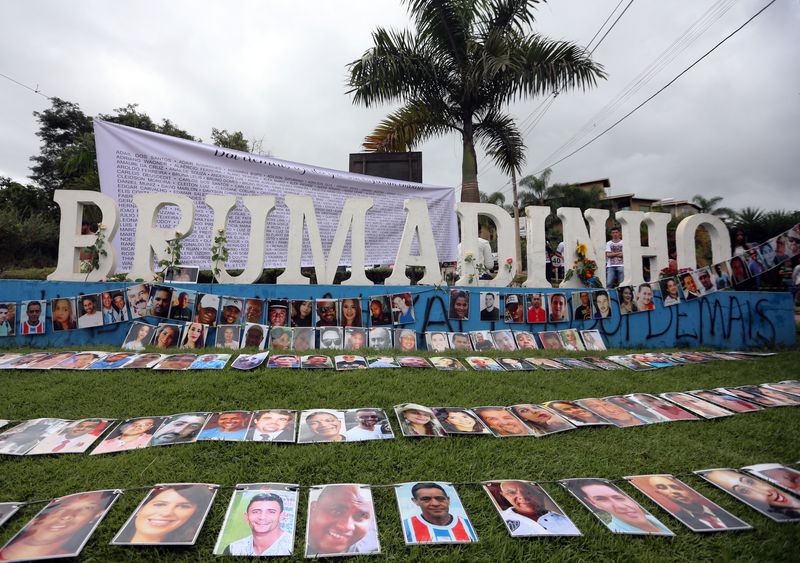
(602, 304)
(593, 340)
(536, 312)
(260, 521)
(115, 360)
(139, 335)
(138, 297)
(31, 317)
(321, 425)
(181, 274)
(278, 312)
(482, 363)
(367, 424)
(527, 510)
(64, 314)
(380, 338)
(432, 513)
(167, 336)
(696, 405)
(280, 338)
(612, 412)
(721, 276)
(489, 306)
(460, 341)
(74, 438)
(740, 273)
(540, 420)
(459, 305)
(130, 434)
(180, 429)
(231, 311)
(341, 521)
(575, 413)
(247, 362)
(503, 340)
(301, 313)
(417, 420)
(571, 340)
(331, 338)
(380, 310)
(456, 420)
(481, 340)
(777, 474)
(726, 400)
(61, 528)
(669, 411)
(627, 300)
(316, 361)
(207, 309)
(347, 362)
(557, 307)
(582, 309)
(515, 364)
(382, 362)
(145, 361)
(437, 341)
(327, 312)
(20, 439)
(644, 298)
(630, 363)
(780, 246)
(502, 422)
(254, 336)
(755, 397)
(403, 309)
(286, 361)
(413, 362)
(405, 339)
(272, 425)
(227, 425)
(160, 301)
(228, 337)
(551, 340)
(351, 312)
(514, 308)
(780, 506)
(615, 509)
(170, 514)
(47, 361)
(81, 360)
(703, 281)
(525, 340)
(182, 307)
(303, 339)
(575, 363)
(355, 338)
(194, 336)
(689, 287)
(254, 311)
(689, 507)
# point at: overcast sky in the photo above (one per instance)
(276, 70)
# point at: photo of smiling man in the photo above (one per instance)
(228, 425)
(341, 521)
(321, 425)
(432, 513)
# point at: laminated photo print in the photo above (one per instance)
(195, 335)
(382, 362)
(456, 420)
(527, 510)
(3, 422)
(327, 312)
(665, 409)
(739, 271)
(131, 434)
(696, 405)
(288, 361)
(170, 514)
(331, 338)
(227, 426)
(228, 337)
(380, 338)
(8, 318)
(351, 312)
(601, 363)
(346, 362)
(671, 293)
(689, 287)
(303, 339)
(721, 276)
(167, 335)
(536, 311)
(278, 312)
(582, 307)
(656, 360)
(23, 437)
(502, 422)
(503, 340)
(602, 304)
(183, 305)
(481, 340)
(180, 362)
(207, 309)
(247, 362)
(355, 338)
(210, 361)
(788, 386)
(460, 341)
(301, 313)
(8, 358)
(437, 341)
(254, 336)
(525, 340)
(768, 391)
(571, 340)
(181, 274)
(272, 425)
(775, 504)
(316, 361)
(74, 438)
(551, 340)
(557, 308)
(118, 312)
(626, 297)
(81, 360)
(515, 364)
(418, 421)
(280, 338)
(636, 409)
(630, 363)
(576, 414)
(160, 301)
(546, 364)
(61, 529)
(321, 425)
(575, 363)
(403, 309)
(405, 339)
(47, 361)
(612, 412)
(138, 297)
(753, 397)
(777, 474)
(367, 424)
(780, 251)
(459, 305)
(260, 521)
(116, 360)
(254, 311)
(413, 362)
(380, 310)
(64, 314)
(20, 361)
(432, 513)
(334, 508)
(144, 361)
(540, 420)
(231, 310)
(614, 508)
(482, 363)
(593, 340)
(31, 317)
(703, 281)
(686, 505)
(514, 311)
(180, 429)
(489, 302)
(139, 335)
(726, 400)
(8, 509)
(644, 298)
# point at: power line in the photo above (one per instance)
(34, 90)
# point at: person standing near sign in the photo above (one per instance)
(483, 261)
(614, 263)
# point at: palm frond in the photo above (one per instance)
(407, 127)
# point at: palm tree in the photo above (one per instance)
(465, 61)
(536, 189)
(711, 204)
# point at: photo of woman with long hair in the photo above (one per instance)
(64, 316)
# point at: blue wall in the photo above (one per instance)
(727, 320)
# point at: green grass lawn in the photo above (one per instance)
(766, 436)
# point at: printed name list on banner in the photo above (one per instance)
(132, 161)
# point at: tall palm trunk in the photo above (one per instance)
(469, 166)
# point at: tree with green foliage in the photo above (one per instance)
(235, 140)
(465, 61)
(711, 205)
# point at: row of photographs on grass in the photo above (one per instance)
(59, 436)
(341, 518)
